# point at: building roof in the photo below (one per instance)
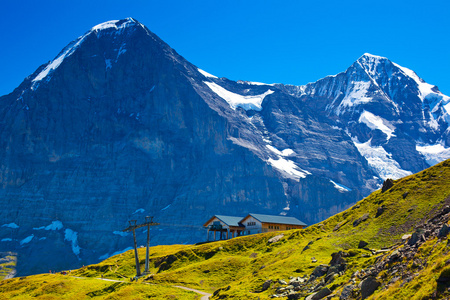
(228, 220)
(276, 219)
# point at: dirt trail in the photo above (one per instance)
(205, 296)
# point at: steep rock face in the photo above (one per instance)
(119, 126)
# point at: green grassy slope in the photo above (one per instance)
(240, 266)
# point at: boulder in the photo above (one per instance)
(320, 270)
(347, 292)
(368, 286)
(266, 285)
(413, 239)
(387, 184)
(275, 238)
(337, 258)
(380, 210)
(360, 220)
(362, 244)
(319, 295)
(443, 232)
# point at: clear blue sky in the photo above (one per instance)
(292, 42)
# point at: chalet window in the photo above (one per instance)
(251, 223)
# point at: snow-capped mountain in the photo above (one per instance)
(119, 126)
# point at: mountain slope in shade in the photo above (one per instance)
(119, 126)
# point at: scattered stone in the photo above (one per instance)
(360, 220)
(380, 210)
(337, 258)
(253, 255)
(443, 232)
(387, 184)
(362, 244)
(368, 286)
(406, 237)
(297, 281)
(394, 256)
(319, 295)
(347, 292)
(294, 296)
(266, 285)
(413, 239)
(405, 194)
(281, 281)
(307, 246)
(320, 270)
(275, 238)
(313, 259)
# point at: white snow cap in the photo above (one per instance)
(119, 25)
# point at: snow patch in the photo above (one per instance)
(206, 74)
(288, 167)
(55, 225)
(108, 63)
(236, 100)
(140, 210)
(376, 122)
(285, 152)
(356, 94)
(340, 187)
(6, 240)
(27, 239)
(72, 236)
(434, 153)
(381, 161)
(11, 225)
(166, 207)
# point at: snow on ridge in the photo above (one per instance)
(206, 74)
(433, 153)
(376, 122)
(340, 187)
(425, 89)
(113, 24)
(55, 63)
(254, 83)
(11, 225)
(380, 160)
(236, 100)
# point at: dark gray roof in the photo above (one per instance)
(277, 219)
(229, 220)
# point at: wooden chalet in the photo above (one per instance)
(230, 227)
(256, 223)
(224, 225)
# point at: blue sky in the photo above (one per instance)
(292, 42)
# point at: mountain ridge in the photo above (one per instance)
(122, 126)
